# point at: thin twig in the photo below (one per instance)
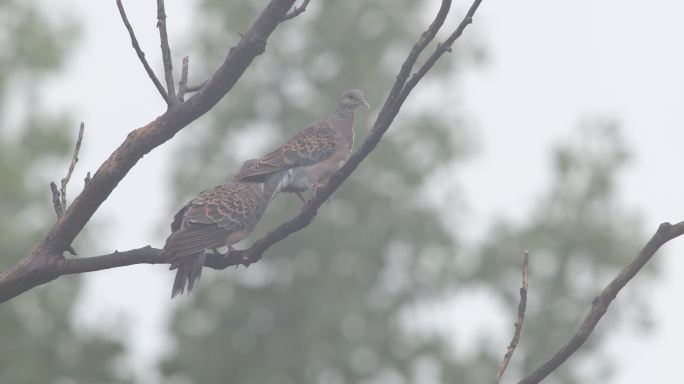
(518, 322)
(166, 52)
(140, 53)
(59, 210)
(296, 11)
(74, 160)
(183, 83)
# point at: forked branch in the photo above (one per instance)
(140, 53)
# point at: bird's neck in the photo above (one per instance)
(344, 112)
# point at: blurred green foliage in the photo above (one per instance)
(39, 342)
(330, 303)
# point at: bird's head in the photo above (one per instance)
(353, 98)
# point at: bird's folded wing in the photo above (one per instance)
(306, 147)
(210, 218)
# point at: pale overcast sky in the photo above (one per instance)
(551, 64)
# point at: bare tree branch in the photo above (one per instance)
(519, 320)
(38, 266)
(144, 255)
(140, 53)
(166, 52)
(74, 160)
(296, 11)
(665, 233)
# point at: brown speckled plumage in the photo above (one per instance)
(218, 217)
(311, 155)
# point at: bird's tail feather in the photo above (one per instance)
(188, 272)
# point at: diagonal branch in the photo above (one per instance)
(38, 266)
(519, 320)
(665, 233)
(166, 52)
(140, 53)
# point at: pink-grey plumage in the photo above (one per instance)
(221, 216)
(312, 155)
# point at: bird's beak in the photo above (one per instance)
(364, 102)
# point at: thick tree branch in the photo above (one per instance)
(665, 233)
(140, 53)
(144, 255)
(166, 52)
(519, 320)
(39, 266)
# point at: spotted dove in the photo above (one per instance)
(312, 155)
(221, 216)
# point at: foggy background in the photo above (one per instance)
(528, 122)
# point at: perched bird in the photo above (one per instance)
(312, 155)
(221, 216)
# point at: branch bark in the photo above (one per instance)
(40, 265)
(665, 233)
